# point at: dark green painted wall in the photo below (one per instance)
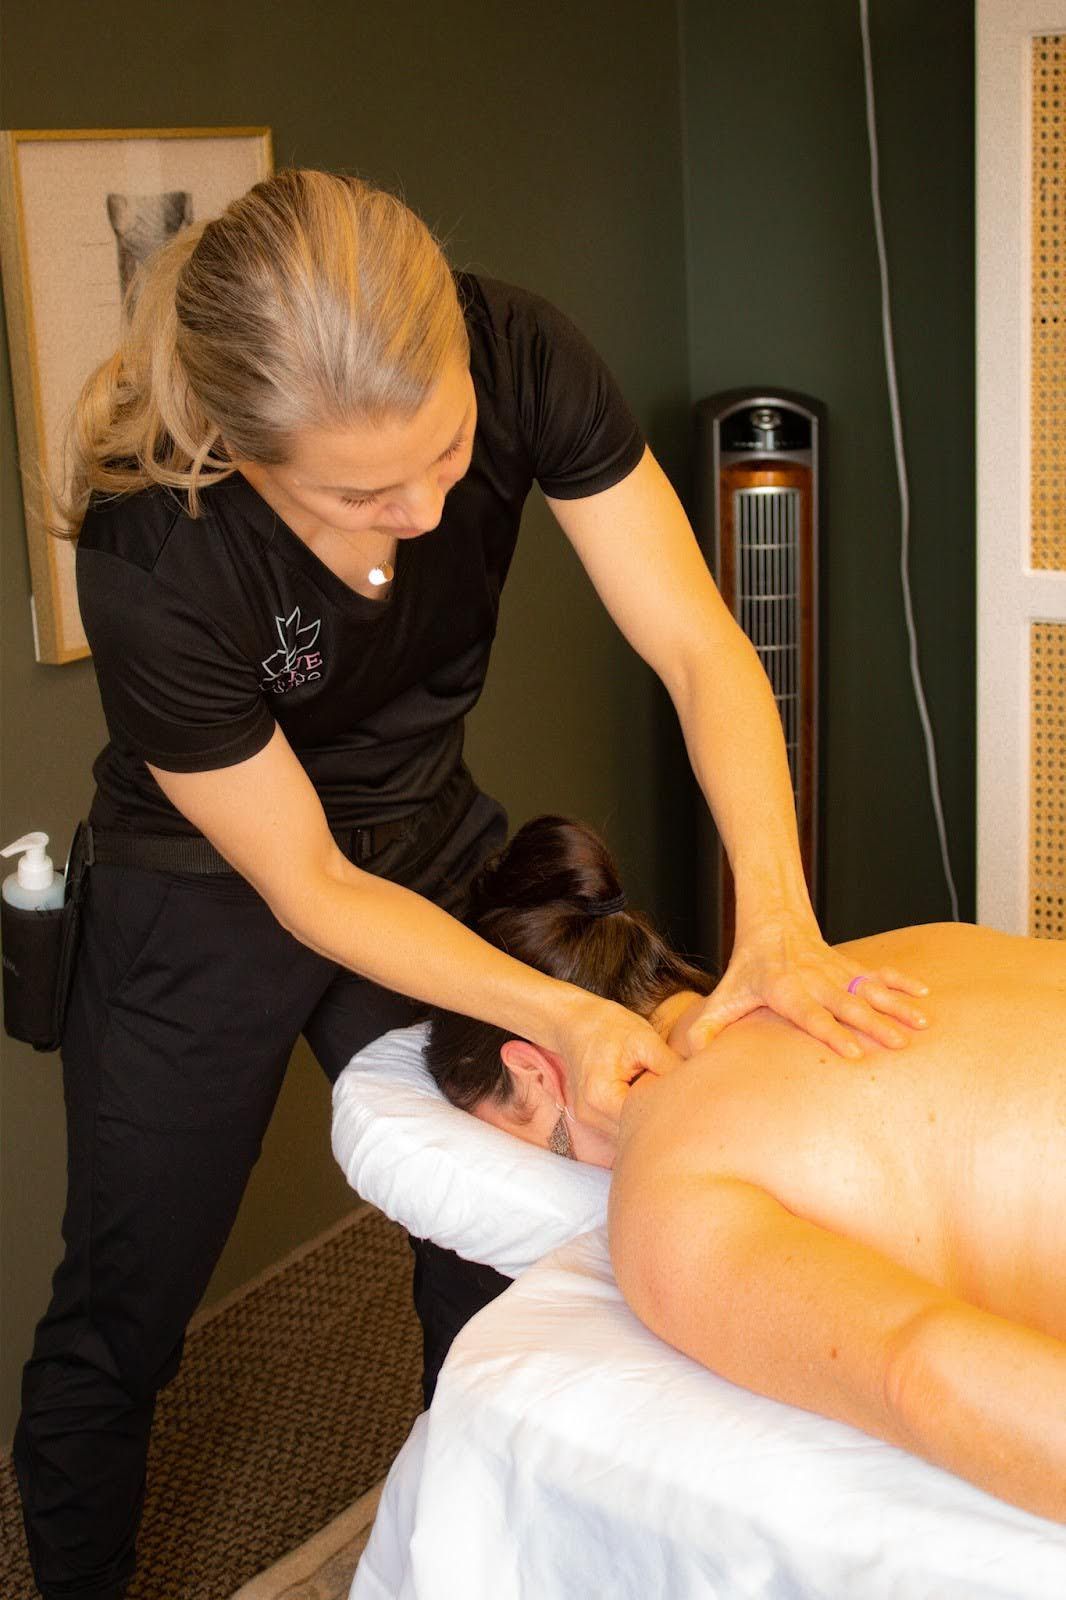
(542, 140)
(783, 290)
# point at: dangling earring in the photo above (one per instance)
(559, 1141)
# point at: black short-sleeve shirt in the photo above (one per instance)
(206, 632)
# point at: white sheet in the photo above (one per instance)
(448, 1177)
(570, 1454)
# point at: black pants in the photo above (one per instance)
(187, 1001)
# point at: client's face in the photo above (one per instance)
(537, 1108)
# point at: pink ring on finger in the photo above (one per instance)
(854, 984)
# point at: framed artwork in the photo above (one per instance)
(80, 210)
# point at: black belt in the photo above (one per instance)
(178, 853)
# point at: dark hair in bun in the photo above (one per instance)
(545, 899)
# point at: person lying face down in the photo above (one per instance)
(884, 1244)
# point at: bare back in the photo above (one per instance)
(948, 1157)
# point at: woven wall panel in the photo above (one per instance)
(1048, 531)
(1047, 781)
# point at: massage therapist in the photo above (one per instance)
(298, 486)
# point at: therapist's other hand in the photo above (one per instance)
(606, 1049)
(785, 964)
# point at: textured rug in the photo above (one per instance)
(293, 1398)
(323, 1568)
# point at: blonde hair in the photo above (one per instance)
(314, 300)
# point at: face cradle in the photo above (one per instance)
(388, 479)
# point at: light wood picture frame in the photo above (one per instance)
(79, 210)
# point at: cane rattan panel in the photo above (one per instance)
(1047, 782)
(1048, 530)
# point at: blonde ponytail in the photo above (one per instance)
(315, 300)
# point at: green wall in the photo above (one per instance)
(541, 153)
(783, 290)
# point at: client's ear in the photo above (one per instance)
(538, 1073)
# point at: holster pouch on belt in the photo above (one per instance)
(40, 948)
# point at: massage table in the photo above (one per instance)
(569, 1452)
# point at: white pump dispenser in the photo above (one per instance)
(36, 886)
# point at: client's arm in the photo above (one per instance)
(725, 1273)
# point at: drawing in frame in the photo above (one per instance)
(80, 209)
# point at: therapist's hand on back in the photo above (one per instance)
(786, 965)
(606, 1048)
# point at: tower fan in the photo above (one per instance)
(760, 459)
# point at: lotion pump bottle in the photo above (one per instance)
(36, 886)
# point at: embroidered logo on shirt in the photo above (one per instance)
(297, 661)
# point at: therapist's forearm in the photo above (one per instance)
(407, 944)
(736, 745)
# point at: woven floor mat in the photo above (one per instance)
(292, 1400)
(323, 1567)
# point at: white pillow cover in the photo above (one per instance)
(447, 1176)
